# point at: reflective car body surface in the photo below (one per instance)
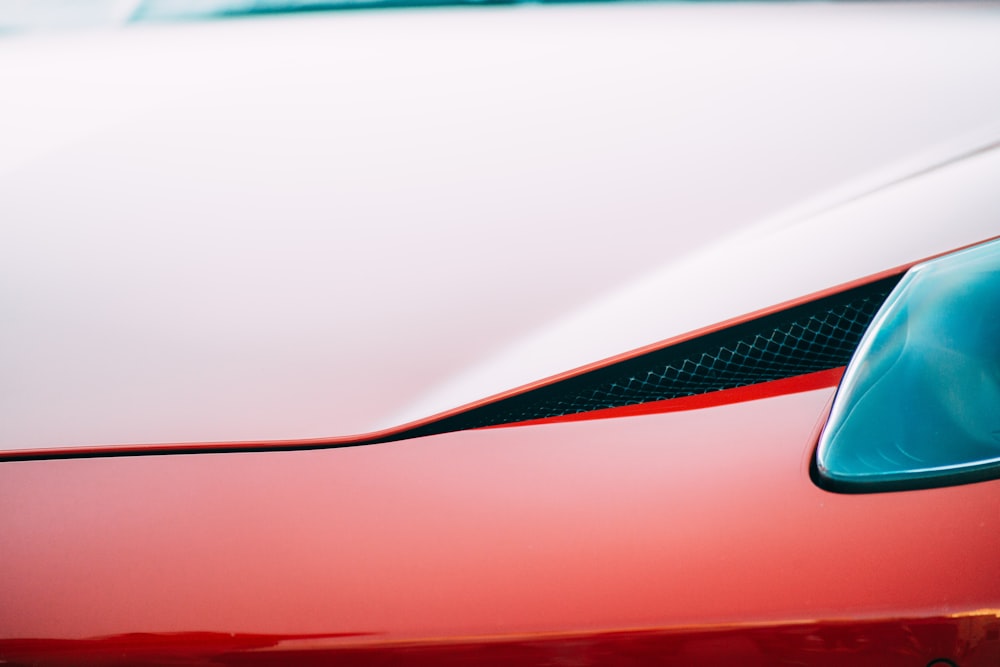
(231, 262)
(591, 542)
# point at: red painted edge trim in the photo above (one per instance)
(395, 431)
(793, 385)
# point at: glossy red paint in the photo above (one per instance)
(970, 640)
(690, 537)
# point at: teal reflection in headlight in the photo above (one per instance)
(919, 404)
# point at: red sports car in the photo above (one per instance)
(587, 334)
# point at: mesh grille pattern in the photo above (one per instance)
(804, 339)
(815, 343)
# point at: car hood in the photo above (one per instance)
(281, 228)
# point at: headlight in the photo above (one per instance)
(919, 404)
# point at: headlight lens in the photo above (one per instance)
(919, 404)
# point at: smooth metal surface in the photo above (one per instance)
(528, 542)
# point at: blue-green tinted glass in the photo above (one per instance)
(920, 401)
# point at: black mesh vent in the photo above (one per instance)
(816, 336)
